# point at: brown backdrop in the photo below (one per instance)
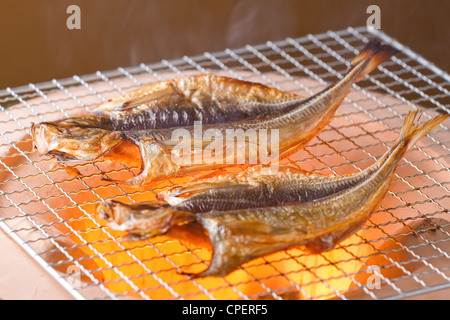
(36, 45)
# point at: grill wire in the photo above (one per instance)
(403, 250)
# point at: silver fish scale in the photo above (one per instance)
(404, 248)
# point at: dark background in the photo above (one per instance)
(36, 45)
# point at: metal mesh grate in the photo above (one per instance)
(404, 249)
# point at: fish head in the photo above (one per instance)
(74, 139)
(146, 218)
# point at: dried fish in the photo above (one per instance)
(149, 118)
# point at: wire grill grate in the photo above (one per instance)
(404, 249)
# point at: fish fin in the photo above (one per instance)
(329, 240)
(175, 195)
(137, 97)
(372, 55)
(238, 242)
(157, 163)
(210, 175)
(411, 132)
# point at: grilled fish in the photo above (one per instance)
(149, 117)
(175, 103)
(316, 220)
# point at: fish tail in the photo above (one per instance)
(411, 132)
(373, 54)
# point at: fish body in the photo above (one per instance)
(239, 234)
(148, 118)
(256, 187)
(179, 102)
